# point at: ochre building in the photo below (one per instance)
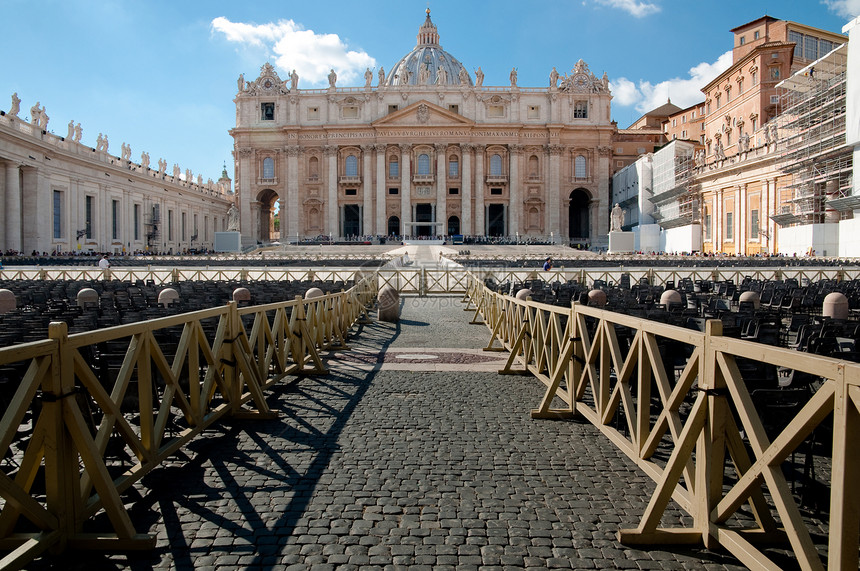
(425, 149)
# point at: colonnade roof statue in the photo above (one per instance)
(428, 63)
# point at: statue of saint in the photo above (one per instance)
(423, 74)
(553, 79)
(78, 133)
(176, 171)
(35, 112)
(144, 160)
(294, 81)
(441, 75)
(381, 77)
(71, 133)
(16, 105)
(241, 82)
(332, 79)
(43, 120)
(479, 77)
(188, 178)
(463, 76)
(105, 144)
(617, 218)
(368, 77)
(99, 142)
(513, 77)
(233, 219)
(199, 180)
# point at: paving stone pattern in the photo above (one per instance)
(369, 468)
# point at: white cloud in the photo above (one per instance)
(682, 91)
(290, 47)
(846, 8)
(635, 8)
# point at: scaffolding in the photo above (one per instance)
(811, 127)
(675, 194)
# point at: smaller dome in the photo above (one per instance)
(428, 63)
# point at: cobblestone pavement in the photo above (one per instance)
(375, 466)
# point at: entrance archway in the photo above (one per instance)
(453, 225)
(393, 226)
(578, 216)
(268, 201)
(424, 213)
(351, 220)
(496, 220)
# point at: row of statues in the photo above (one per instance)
(40, 118)
(425, 77)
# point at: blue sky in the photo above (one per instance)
(161, 75)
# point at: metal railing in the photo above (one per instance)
(676, 403)
(139, 393)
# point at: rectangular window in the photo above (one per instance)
(206, 228)
(313, 113)
(717, 99)
(392, 109)
(774, 99)
(753, 124)
(58, 214)
(453, 191)
(683, 119)
(453, 168)
(89, 203)
(393, 191)
(393, 169)
(534, 112)
(114, 219)
(136, 212)
(754, 227)
(496, 191)
(742, 40)
(183, 228)
(454, 109)
(810, 47)
(580, 110)
(755, 35)
(674, 122)
(170, 225)
(730, 225)
(351, 192)
(350, 112)
(267, 111)
(683, 134)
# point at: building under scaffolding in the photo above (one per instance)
(811, 127)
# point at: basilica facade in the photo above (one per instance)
(425, 150)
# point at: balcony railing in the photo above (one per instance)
(497, 178)
(349, 179)
(267, 181)
(423, 178)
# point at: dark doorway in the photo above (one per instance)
(496, 220)
(578, 214)
(453, 225)
(424, 213)
(351, 220)
(393, 226)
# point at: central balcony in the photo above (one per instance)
(349, 179)
(423, 178)
(497, 178)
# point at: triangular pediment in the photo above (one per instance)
(423, 113)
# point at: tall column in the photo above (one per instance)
(367, 190)
(514, 201)
(35, 209)
(331, 224)
(12, 215)
(466, 190)
(741, 221)
(381, 177)
(600, 225)
(479, 190)
(405, 189)
(554, 194)
(243, 193)
(441, 190)
(291, 217)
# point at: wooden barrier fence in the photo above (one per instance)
(140, 392)
(676, 403)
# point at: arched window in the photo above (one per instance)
(496, 165)
(268, 167)
(313, 167)
(580, 170)
(533, 166)
(423, 163)
(393, 167)
(453, 167)
(351, 166)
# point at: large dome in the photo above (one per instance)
(422, 65)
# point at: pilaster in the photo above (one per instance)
(405, 189)
(514, 201)
(367, 190)
(331, 222)
(441, 191)
(381, 227)
(479, 230)
(466, 190)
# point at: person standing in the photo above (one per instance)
(104, 263)
(547, 265)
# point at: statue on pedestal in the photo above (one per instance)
(294, 81)
(381, 76)
(479, 77)
(144, 160)
(71, 133)
(332, 79)
(35, 112)
(616, 218)
(78, 133)
(368, 77)
(233, 219)
(513, 77)
(16, 105)
(553, 79)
